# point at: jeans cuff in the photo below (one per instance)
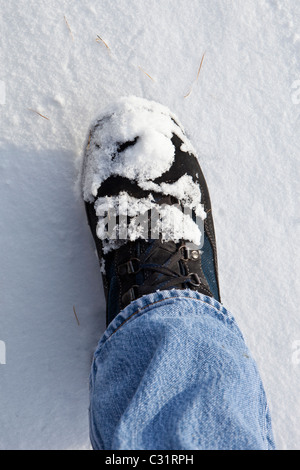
(142, 305)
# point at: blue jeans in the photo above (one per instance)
(172, 372)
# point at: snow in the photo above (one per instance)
(149, 127)
(168, 222)
(242, 117)
(131, 119)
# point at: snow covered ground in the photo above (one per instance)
(242, 115)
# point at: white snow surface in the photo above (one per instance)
(242, 116)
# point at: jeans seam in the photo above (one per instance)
(158, 301)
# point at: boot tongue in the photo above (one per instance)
(148, 251)
(158, 252)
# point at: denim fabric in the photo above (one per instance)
(172, 372)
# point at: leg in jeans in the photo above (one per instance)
(172, 370)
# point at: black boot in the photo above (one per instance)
(148, 209)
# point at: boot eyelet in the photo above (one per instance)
(130, 295)
(195, 254)
(190, 253)
(194, 280)
(133, 266)
(130, 267)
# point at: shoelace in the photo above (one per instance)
(164, 276)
